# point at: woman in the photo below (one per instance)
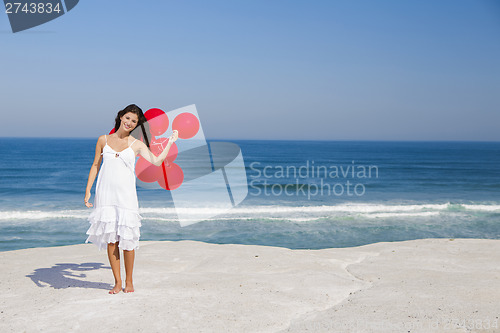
(115, 221)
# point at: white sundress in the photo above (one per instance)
(115, 217)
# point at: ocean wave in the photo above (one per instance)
(42, 215)
(278, 212)
(391, 215)
(486, 208)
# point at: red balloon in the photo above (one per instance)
(147, 172)
(112, 131)
(187, 124)
(158, 145)
(174, 177)
(157, 120)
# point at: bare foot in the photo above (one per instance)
(129, 288)
(116, 289)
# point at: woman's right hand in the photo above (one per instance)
(86, 200)
(174, 136)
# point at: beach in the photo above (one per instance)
(417, 252)
(426, 285)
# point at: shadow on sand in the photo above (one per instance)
(64, 275)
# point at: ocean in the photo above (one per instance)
(301, 194)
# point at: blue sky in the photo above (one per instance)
(327, 70)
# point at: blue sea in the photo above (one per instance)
(302, 194)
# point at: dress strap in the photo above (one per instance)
(133, 142)
(106, 143)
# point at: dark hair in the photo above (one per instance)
(131, 108)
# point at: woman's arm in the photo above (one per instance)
(94, 169)
(152, 158)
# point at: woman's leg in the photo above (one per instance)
(129, 268)
(114, 261)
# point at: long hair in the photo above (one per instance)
(131, 108)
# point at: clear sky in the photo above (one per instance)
(261, 69)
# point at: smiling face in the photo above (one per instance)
(129, 121)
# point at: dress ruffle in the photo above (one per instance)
(111, 224)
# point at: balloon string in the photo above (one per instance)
(163, 163)
(164, 173)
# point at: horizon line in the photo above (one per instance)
(329, 140)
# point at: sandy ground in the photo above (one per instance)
(429, 285)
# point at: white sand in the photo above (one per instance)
(430, 285)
